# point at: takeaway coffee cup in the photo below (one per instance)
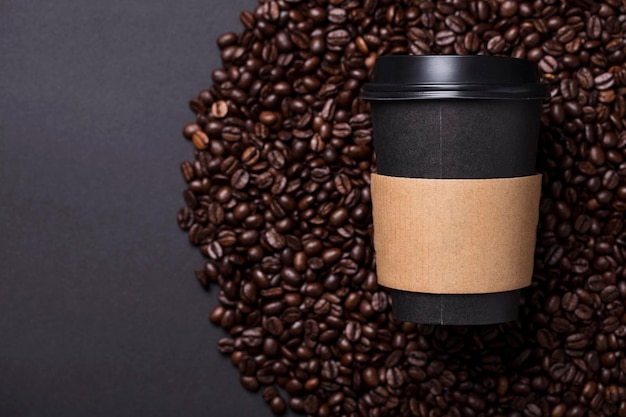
(456, 196)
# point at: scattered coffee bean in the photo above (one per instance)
(200, 140)
(219, 109)
(278, 202)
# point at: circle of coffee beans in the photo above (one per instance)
(278, 201)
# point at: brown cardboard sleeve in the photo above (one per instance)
(455, 236)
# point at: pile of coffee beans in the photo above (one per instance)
(278, 201)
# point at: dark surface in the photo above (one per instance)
(100, 312)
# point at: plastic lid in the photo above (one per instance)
(406, 77)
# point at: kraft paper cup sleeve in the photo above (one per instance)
(455, 236)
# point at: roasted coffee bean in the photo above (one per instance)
(496, 44)
(394, 377)
(569, 301)
(343, 184)
(278, 405)
(269, 393)
(200, 140)
(337, 38)
(274, 326)
(417, 358)
(247, 366)
(240, 179)
(337, 15)
(225, 345)
(548, 64)
(370, 377)
(471, 42)
(379, 301)
(353, 331)
(219, 109)
(508, 8)
(455, 23)
(278, 201)
(311, 404)
(250, 383)
(445, 37)
(186, 168)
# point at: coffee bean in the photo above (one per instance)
(508, 8)
(609, 294)
(337, 38)
(240, 179)
(604, 81)
(553, 47)
(278, 406)
(331, 255)
(394, 377)
(200, 140)
(250, 383)
(496, 44)
(343, 184)
(248, 20)
(569, 301)
(276, 159)
(475, 402)
(274, 326)
(353, 331)
(225, 345)
(471, 42)
(565, 34)
(190, 129)
(279, 203)
(219, 109)
(580, 266)
(548, 64)
(269, 393)
(379, 301)
(455, 23)
(417, 358)
(445, 37)
(187, 170)
(231, 133)
(337, 15)
(310, 404)
(247, 366)
(594, 27)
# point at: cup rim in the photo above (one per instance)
(408, 77)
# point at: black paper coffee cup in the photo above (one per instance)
(455, 117)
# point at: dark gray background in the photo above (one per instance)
(100, 312)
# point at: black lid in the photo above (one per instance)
(406, 77)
